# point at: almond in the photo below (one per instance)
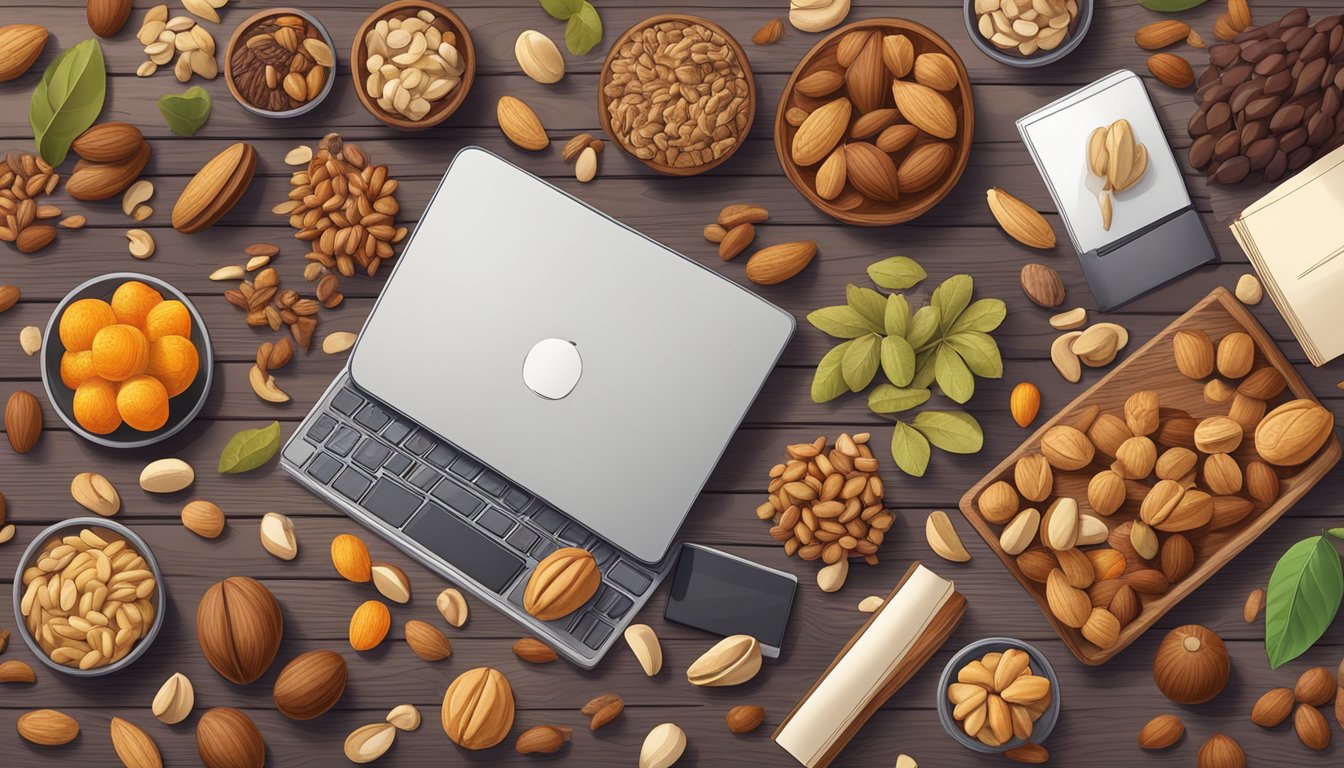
(1220, 751)
(1029, 753)
(1311, 727)
(666, 743)
(9, 296)
(1249, 291)
(520, 124)
(1027, 689)
(937, 71)
(277, 536)
(452, 606)
(851, 45)
(1262, 384)
(48, 727)
(742, 213)
(1033, 476)
(391, 582)
(1160, 34)
(1177, 557)
(1193, 351)
(1022, 222)
(108, 142)
(174, 700)
(872, 123)
(736, 240)
(925, 108)
(943, 538)
(603, 709)
(644, 644)
(1068, 603)
(427, 642)
(769, 33)
(1067, 448)
(1250, 610)
(20, 45)
(1272, 708)
(898, 54)
(1162, 732)
(820, 132)
(1172, 70)
(1315, 687)
(1219, 434)
(93, 492)
(215, 188)
(538, 57)
(1067, 363)
(865, 80)
(1036, 564)
(99, 181)
(831, 176)
(350, 558)
(370, 742)
(894, 138)
(1102, 628)
(745, 718)
(561, 583)
(15, 671)
(404, 717)
(926, 165)
(1106, 492)
(871, 171)
(1125, 605)
(368, 625)
(542, 740)
(1147, 581)
(23, 421)
(1019, 533)
(203, 518)
(106, 17)
(998, 502)
(732, 661)
(820, 83)
(1293, 432)
(1106, 563)
(534, 651)
(777, 263)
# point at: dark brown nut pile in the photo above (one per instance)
(1269, 102)
(283, 63)
(267, 305)
(678, 95)
(24, 178)
(345, 208)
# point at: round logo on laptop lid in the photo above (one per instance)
(552, 368)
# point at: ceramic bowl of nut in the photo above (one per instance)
(280, 63)
(88, 626)
(1026, 33)
(183, 404)
(1044, 712)
(851, 148)
(712, 106)
(412, 64)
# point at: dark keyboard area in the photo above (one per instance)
(462, 512)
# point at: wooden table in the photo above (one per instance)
(1103, 707)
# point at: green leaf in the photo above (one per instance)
(869, 304)
(1171, 6)
(1338, 533)
(584, 30)
(896, 273)
(952, 431)
(842, 322)
(828, 382)
(562, 9)
(951, 299)
(924, 360)
(910, 450)
(953, 377)
(249, 449)
(1303, 597)
(984, 315)
(896, 318)
(898, 360)
(68, 99)
(980, 352)
(859, 364)
(886, 398)
(185, 112)
(923, 326)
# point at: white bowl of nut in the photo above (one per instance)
(1028, 33)
(88, 597)
(280, 63)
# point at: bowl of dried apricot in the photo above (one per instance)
(126, 360)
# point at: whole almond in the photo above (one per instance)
(1174, 71)
(1069, 604)
(99, 181)
(1272, 708)
(108, 142)
(1042, 284)
(23, 421)
(135, 747)
(9, 296)
(925, 108)
(15, 671)
(20, 45)
(369, 742)
(542, 739)
(894, 138)
(1311, 727)
(520, 124)
(426, 641)
(1022, 222)
(777, 263)
(1160, 34)
(1315, 687)
(644, 644)
(48, 727)
(93, 492)
(1255, 602)
(736, 241)
(925, 166)
(452, 607)
(1220, 751)
(666, 742)
(745, 718)
(820, 83)
(769, 33)
(1162, 732)
(742, 213)
(820, 132)
(832, 175)
(871, 171)
(898, 53)
(937, 71)
(534, 651)
(1193, 352)
(203, 518)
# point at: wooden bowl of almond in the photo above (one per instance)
(88, 597)
(875, 124)
(412, 64)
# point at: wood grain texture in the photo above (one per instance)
(1103, 707)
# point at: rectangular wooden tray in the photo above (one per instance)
(1152, 367)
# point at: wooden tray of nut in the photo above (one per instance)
(875, 124)
(1155, 478)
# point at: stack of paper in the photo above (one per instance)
(1294, 236)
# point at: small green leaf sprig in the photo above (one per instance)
(250, 449)
(583, 27)
(946, 343)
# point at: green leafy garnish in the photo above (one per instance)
(562, 9)
(1303, 597)
(953, 431)
(583, 31)
(910, 450)
(829, 383)
(185, 112)
(896, 273)
(249, 449)
(67, 100)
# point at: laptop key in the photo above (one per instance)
(343, 441)
(613, 604)
(543, 548)
(496, 522)
(632, 580)
(324, 467)
(396, 432)
(397, 463)
(458, 499)
(371, 454)
(574, 534)
(346, 402)
(491, 483)
(297, 452)
(418, 443)
(351, 484)
(602, 552)
(466, 548)
(522, 539)
(516, 499)
(466, 467)
(321, 428)
(391, 502)
(597, 635)
(372, 417)
(441, 456)
(548, 519)
(424, 478)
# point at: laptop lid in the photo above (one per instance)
(589, 364)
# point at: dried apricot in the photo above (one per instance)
(82, 320)
(174, 361)
(168, 318)
(96, 406)
(132, 301)
(143, 403)
(120, 352)
(76, 368)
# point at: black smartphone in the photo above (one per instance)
(728, 595)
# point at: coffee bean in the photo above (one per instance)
(1198, 125)
(1296, 39)
(1327, 24)
(1219, 118)
(1319, 130)
(1236, 75)
(1201, 151)
(1263, 107)
(1251, 34)
(1213, 92)
(1227, 146)
(1291, 140)
(1294, 18)
(1208, 75)
(1277, 167)
(1298, 158)
(1330, 102)
(1274, 62)
(1278, 83)
(1316, 47)
(1233, 170)
(1223, 54)
(1261, 152)
(1261, 50)
(1336, 37)
(1288, 117)
(1242, 94)
(1253, 132)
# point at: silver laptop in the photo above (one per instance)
(536, 375)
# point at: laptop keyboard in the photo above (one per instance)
(463, 513)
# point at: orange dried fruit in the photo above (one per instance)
(82, 320)
(76, 368)
(120, 352)
(369, 625)
(132, 302)
(95, 405)
(143, 403)
(168, 318)
(174, 361)
(351, 558)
